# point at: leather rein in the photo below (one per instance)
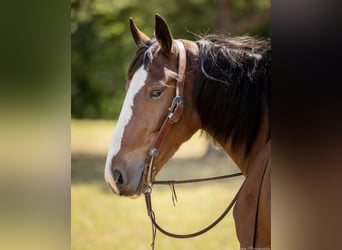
(175, 111)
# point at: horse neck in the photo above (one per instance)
(238, 152)
(243, 161)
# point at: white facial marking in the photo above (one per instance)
(126, 113)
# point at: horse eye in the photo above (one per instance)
(156, 93)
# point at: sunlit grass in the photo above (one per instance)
(91, 136)
(94, 136)
(102, 221)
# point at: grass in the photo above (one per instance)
(101, 221)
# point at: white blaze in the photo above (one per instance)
(137, 83)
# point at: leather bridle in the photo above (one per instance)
(175, 111)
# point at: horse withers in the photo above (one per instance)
(224, 90)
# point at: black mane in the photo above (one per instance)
(232, 87)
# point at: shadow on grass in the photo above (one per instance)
(89, 169)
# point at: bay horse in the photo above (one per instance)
(220, 85)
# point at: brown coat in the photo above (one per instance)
(252, 211)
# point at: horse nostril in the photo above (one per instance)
(118, 178)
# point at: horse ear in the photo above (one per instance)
(138, 36)
(163, 34)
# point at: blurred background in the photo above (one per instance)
(101, 50)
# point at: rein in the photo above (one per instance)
(175, 111)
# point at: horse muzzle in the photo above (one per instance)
(124, 182)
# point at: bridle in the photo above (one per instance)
(175, 111)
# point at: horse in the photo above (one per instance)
(175, 87)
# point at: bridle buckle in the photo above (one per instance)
(176, 109)
(177, 100)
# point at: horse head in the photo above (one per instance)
(150, 90)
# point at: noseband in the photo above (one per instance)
(175, 111)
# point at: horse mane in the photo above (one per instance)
(232, 87)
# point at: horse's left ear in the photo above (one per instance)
(139, 37)
(163, 34)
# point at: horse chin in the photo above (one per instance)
(137, 193)
(132, 195)
(135, 196)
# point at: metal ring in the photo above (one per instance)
(147, 190)
(154, 152)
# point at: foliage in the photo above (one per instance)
(102, 46)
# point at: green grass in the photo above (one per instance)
(101, 221)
